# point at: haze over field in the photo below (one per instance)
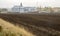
(10, 3)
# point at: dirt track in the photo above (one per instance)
(41, 25)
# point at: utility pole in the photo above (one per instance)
(37, 3)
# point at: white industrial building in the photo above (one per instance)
(23, 9)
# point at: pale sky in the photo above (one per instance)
(10, 3)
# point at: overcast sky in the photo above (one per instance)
(10, 3)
